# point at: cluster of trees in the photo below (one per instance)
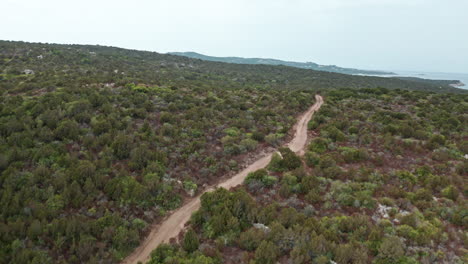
(360, 194)
(97, 142)
(90, 157)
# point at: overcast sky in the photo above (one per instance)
(424, 35)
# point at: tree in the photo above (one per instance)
(251, 239)
(300, 255)
(273, 139)
(85, 247)
(285, 190)
(288, 217)
(312, 159)
(318, 145)
(202, 260)
(290, 160)
(258, 136)
(161, 253)
(260, 178)
(391, 250)
(73, 194)
(55, 203)
(122, 146)
(344, 253)
(275, 162)
(35, 229)
(321, 260)
(85, 170)
(124, 238)
(287, 161)
(335, 134)
(67, 129)
(319, 244)
(248, 144)
(257, 175)
(191, 241)
(89, 188)
(309, 182)
(266, 253)
(360, 255)
(327, 162)
(139, 157)
(451, 192)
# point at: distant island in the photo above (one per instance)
(303, 65)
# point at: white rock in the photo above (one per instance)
(403, 212)
(383, 210)
(261, 227)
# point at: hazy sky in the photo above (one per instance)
(426, 35)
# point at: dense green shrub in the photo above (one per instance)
(318, 145)
(312, 159)
(285, 160)
(190, 242)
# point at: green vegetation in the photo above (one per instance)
(97, 143)
(379, 194)
(89, 157)
(59, 66)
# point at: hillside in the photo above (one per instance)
(97, 143)
(95, 147)
(383, 181)
(303, 65)
(54, 64)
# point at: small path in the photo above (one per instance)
(175, 223)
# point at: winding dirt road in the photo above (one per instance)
(172, 225)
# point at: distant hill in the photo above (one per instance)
(303, 65)
(30, 67)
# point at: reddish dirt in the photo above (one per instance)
(175, 223)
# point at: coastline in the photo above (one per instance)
(459, 84)
(460, 80)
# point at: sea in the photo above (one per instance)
(462, 77)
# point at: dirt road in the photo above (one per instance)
(172, 226)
